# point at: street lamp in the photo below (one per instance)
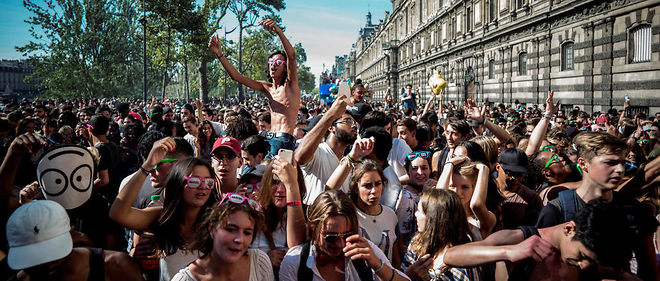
(143, 21)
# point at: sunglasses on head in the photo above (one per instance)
(200, 182)
(277, 62)
(333, 238)
(239, 199)
(413, 155)
(554, 158)
(166, 160)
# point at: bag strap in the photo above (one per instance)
(304, 272)
(363, 270)
(569, 204)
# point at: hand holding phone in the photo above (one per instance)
(286, 154)
(344, 90)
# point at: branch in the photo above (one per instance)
(249, 63)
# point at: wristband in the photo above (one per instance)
(548, 115)
(293, 203)
(145, 171)
(382, 263)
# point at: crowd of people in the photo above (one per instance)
(291, 189)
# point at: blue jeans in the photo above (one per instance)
(279, 141)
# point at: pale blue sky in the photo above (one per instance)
(326, 28)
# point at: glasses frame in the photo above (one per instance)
(278, 62)
(166, 160)
(554, 158)
(202, 180)
(349, 122)
(227, 157)
(240, 199)
(333, 238)
(413, 155)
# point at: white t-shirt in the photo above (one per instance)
(260, 268)
(145, 191)
(279, 238)
(191, 140)
(219, 128)
(170, 265)
(290, 263)
(397, 156)
(318, 170)
(379, 229)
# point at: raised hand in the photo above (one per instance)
(358, 248)
(215, 45)
(27, 143)
(285, 171)
(362, 148)
(338, 108)
(158, 152)
(550, 107)
(270, 25)
(28, 193)
(473, 110)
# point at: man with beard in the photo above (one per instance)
(319, 159)
(281, 89)
(521, 205)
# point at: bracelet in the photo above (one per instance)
(353, 161)
(293, 203)
(548, 115)
(393, 273)
(145, 171)
(382, 263)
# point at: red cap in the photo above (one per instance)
(135, 116)
(228, 142)
(602, 119)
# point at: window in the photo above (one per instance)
(640, 43)
(521, 3)
(468, 18)
(493, 10)
(522, 63)
(491, 69)
(567, 56)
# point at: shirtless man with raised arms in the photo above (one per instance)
(281, 89)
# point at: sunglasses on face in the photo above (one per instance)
(348, 122)
(547, 148)
(166, 160)
(643, 141)
(554, 158)
(334, 237)
(277, 62)
(227, 157)
(200, 182)
(413, 155)
(239, 199)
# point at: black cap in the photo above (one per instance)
(257, 172)
(513, 160)
(312, 122)
(359, 110)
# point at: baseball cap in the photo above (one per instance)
(257, 172)
(312, 122)
(602, 119)
(228, 142)
(513, 160)
(38, 232)
(359, 110)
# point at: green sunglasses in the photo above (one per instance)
(554, 158)
(547, 148)
(166, 160)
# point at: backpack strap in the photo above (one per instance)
(363, 270)
(304, 272)
(569, 203)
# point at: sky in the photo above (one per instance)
(326, 28)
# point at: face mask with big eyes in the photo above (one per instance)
(66, 175)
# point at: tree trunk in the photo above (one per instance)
(240, 60)
(203, 81)
(185, 78)
(167, 59)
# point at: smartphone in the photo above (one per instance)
(344, 90)
(286, 154)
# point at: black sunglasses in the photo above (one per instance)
(333, 238)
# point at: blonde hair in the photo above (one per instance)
(468, 169)
(489, 146)
(330, 203)
(592, 144)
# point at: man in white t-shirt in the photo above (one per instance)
(397, 156)
(319, 159)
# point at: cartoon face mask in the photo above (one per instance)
(66, 175)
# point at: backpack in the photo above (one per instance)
(305, 273)
(569, 203)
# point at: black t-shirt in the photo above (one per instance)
(109, 154)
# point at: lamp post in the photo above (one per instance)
(143, 21)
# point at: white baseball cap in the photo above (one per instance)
(38, 232)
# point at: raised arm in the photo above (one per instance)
(215, 46)
(311, 141)
(122, 210)
(538, 134)
(291, 64)
(486, 218)
(478, 115)
(503, 245)
(429, 105)
(295, 218)
(22, 146)
(361, 148)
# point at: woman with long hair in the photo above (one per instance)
(336, 250)
(282, 188)
(205, 139)
(223, 239)
(376, 222)
(441, 224)
(190, 190)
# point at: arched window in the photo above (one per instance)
(640, 43)
(491, 69)
(567, 56)
(522, 63)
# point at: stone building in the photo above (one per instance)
(12, 79)
(592, 53)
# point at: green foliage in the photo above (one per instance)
(83, 48)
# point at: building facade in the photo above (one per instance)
(592, 53)
(12, 79)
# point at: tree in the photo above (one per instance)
(306, 80)
(83, 48)
(247, 12)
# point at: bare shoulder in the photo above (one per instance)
(120, 266)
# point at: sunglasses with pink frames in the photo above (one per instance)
(239, 199)
(200, 182)
(277, 62)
